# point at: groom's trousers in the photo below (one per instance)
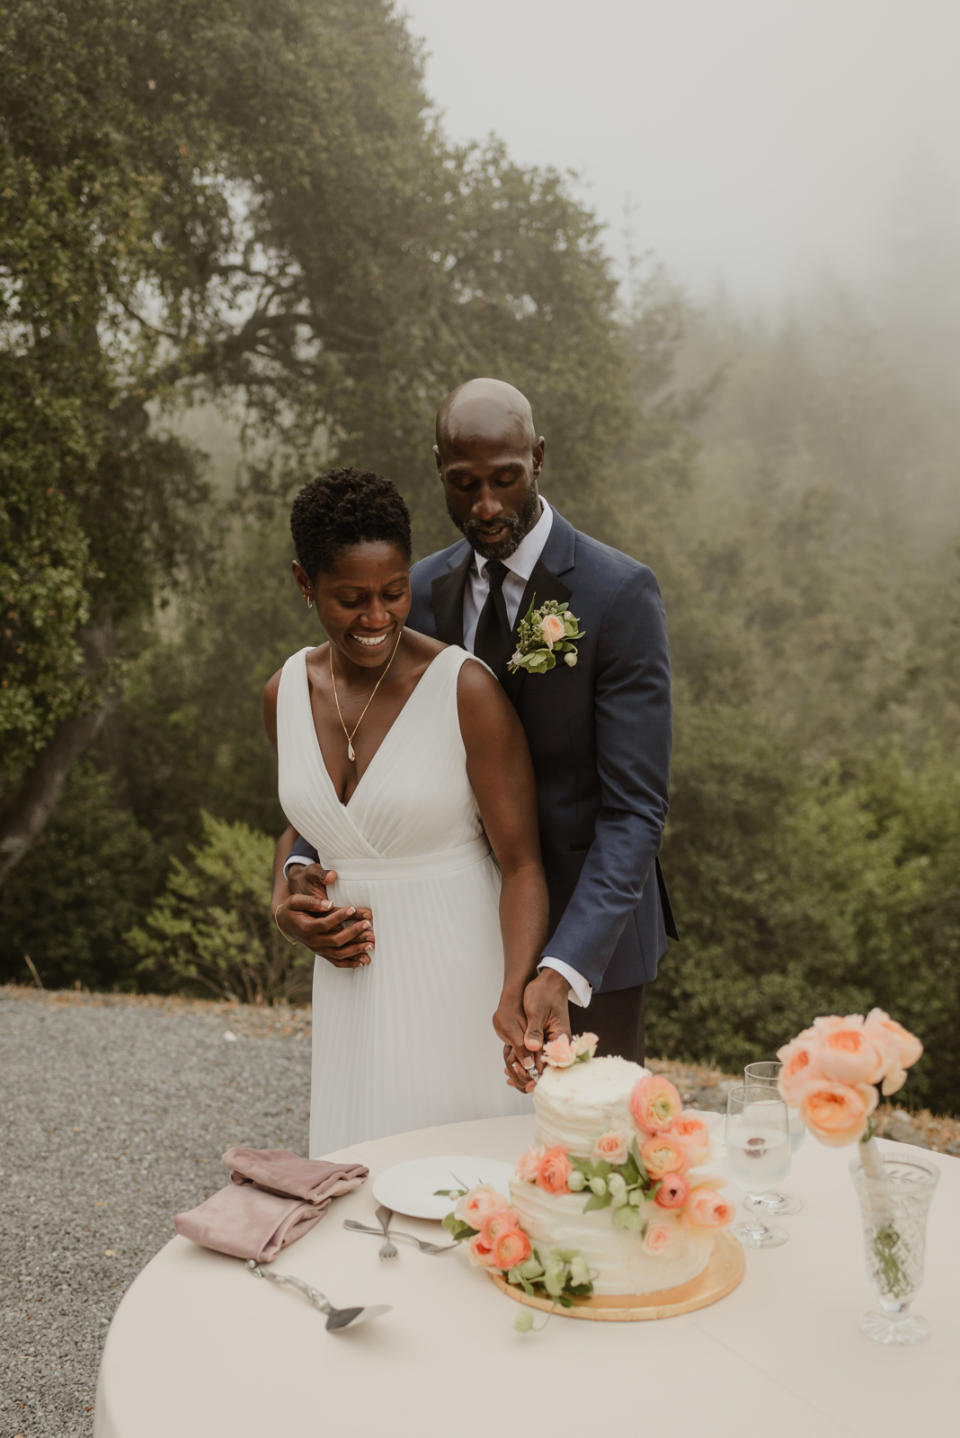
(617, 1020)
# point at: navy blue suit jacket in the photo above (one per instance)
(600, 736)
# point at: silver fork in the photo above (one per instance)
(387, 1249)
(424, 1245)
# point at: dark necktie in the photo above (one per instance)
(494, 641)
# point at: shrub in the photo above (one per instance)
(211, 932)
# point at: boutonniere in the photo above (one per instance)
(543, 634)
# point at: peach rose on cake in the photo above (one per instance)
(836, 1113)
(554, 1170)
(673, 1192)
(612, 1147)
(657, 1238)
(585, 1044)
(692, 1135)
(497, 1224)
(655, 1104)
(480, 1253)
(706, 1209)
(511, 1247)
(528, 1163)
(660, 1155)
(473, 1207)
(560, 1053)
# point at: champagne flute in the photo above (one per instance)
(758, 1154)
(765, 1073)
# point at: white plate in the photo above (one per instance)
(410, 1187)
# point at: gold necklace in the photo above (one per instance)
(350, 733)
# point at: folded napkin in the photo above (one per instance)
(281, 1172)
(250, 1219)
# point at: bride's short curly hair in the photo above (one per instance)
(344, 507)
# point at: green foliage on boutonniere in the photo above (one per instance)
(543, 634)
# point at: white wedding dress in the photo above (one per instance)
(406, 1041)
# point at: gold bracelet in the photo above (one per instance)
(277, 922)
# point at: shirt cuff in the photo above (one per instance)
(292, 861)
(581, 990)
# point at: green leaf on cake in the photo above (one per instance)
(597, 1200)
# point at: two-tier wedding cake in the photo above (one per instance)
(613, 1199)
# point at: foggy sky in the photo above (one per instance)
(751, 140)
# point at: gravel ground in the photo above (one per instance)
(114, 1115)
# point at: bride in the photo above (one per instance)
(405, 765)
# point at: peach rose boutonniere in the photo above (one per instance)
(543, 634)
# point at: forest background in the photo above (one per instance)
(236, 247)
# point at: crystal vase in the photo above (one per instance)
(894, 1196)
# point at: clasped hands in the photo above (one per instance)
(342, 936)
(528, 1020)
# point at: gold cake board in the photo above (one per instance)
(720, 1277)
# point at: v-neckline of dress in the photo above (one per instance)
(383, 742)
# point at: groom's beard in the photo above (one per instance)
(517, 525)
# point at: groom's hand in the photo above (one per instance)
(547, 1009)
(342, 936)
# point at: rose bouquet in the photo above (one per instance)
(833, 1074)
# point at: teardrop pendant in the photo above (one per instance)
(350, 754)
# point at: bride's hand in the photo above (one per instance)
(342, 936)
(520, 1067)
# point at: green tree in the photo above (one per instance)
(256, 205)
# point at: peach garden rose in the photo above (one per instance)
(707, 1209)
(585, 1044)
(692, 1136)
(836, 1113)
(657, 1238)
(554, 1171)
(655, 1104)
(560, 1053)
(552, 630)
(660, 1155)
(673, 1192)
(512, 1247)
(495, 1225)
(528, 1164)
(612, 1147)
(474, 1206)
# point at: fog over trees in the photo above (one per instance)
(228, 263)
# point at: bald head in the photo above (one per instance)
(485, 408)
(489, 459)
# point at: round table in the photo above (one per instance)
(199, 1347)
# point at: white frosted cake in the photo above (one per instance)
(611, 1176)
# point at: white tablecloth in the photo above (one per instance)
(200, 1348)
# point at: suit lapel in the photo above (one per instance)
(545, 583)
(447, 599)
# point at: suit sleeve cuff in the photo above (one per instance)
(581, 990)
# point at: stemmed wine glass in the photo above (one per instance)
(778, 1205)
(758, 1153)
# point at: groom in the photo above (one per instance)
(599, 731)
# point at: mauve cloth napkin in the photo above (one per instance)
(281, 1172)
(248, 1220)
